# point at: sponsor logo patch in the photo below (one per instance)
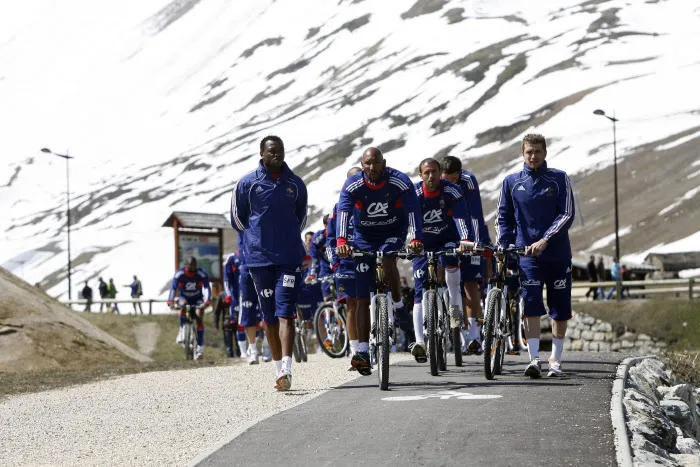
(560, 284)
(378, 209)
(476, 260)
(362, 267)
(267, 293)
(288, 281)
(531, 282)
(433, 216)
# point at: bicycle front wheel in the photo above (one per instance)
(443, 337)
(430, 303)
(189, 348)
(490, 328)
(457, 345)
(383, 340)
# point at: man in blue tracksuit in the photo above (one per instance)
(320, 266)
(473, 268)
(386, 214)
(232, 280)
(445, 223)
(345, 283)
(249, 316)
(535, 210)
(268, 207)
(191, 287)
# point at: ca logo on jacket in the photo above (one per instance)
(432, 216)
(378, 209)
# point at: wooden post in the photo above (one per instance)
(221, 256)
(177, 244)
(691, 282)
(150, 307)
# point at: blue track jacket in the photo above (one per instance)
(271, 213)
(470, 187)
(381, 210)
(445, 215)
(537, 204)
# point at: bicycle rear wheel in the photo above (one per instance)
(490, 328)
(443, 337)
(522, 341)
(430, 302)
(384, 348)
(336, 330)
(301, 347)
(295, 350)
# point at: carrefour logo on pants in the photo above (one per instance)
(362, 267)
(267, 293)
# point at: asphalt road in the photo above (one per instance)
(457, 417)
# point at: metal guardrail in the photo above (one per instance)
(649, 287)
(109, 301)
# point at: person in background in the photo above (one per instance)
(615, 274)
(104, 292)
(601, 276)
(136, 292)
(221, 315)
(87, 295)
(113, 295)
(593, 277)
(626, 276)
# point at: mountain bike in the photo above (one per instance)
(381, 313)
(331, 318)
(501, 321)
(189, 330)
(442, 330)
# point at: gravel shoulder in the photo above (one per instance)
(159, 418)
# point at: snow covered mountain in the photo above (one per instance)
(163, 103)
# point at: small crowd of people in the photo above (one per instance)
(108, 290)
(597, 273)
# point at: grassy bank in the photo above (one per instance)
(676, 322)
(166, 354)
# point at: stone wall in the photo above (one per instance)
(589, 334)
(662, 416)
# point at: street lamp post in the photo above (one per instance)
(67, 158)
(617, 218)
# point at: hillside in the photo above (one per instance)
(38, 333)
(163, 104)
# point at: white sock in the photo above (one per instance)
(533, 348)
(287, 364)
(308, 334)
(418, 323)
(464, 337)
(243, 345)
(354, 345)
(473, 329)
(278, 366)
(452, 278)
(363, 347)
(252, 348)
(557, 348)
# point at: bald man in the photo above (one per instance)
(384, 209)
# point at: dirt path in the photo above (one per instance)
(147, 337)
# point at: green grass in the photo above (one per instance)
(676, 322)
(166, 350)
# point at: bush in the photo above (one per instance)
(685, 366)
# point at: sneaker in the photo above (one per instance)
(180, 336)
(418, 352)
(199, 353)
(284, 381)
(253, 358)
(474, 348)
(534, 369)
(361, 362)
(555, 368)
(455, 317)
